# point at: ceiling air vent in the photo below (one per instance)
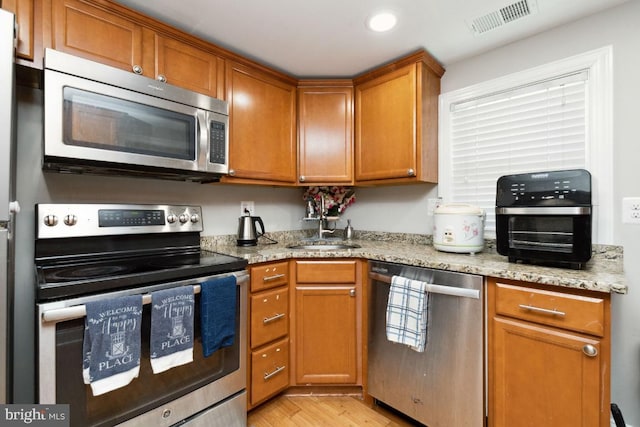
(504, 15)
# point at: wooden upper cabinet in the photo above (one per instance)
(397, 122)
(24, 12)
(262, 124)
(325, 132)
(183, 65)
(115, 39)
(90, 32)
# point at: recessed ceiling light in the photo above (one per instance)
(383, 21)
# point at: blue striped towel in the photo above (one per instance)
(408, 313)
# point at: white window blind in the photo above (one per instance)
(533, 127)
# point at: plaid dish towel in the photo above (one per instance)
(407, 313)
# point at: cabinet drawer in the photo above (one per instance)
(563, 310)
(269, 316)
(269, 370)
(326, 271)
(269, 276)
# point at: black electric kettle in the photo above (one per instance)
(247, 232)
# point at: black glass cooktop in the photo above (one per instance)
(65, 277)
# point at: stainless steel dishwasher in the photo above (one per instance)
(444, 385)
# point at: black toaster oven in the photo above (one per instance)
(545, 218)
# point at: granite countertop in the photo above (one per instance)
(603, 273)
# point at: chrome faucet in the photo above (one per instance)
(322, 221)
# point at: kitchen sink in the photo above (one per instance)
(323, 246)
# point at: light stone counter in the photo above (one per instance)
(603, 273)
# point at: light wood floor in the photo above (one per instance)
(320, 411)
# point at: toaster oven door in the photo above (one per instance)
(552, 235)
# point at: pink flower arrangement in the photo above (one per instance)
(335, 198)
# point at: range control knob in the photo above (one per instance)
(195, 218)
(184, 217)
(50, 220)
(70, 219)
(172, 218)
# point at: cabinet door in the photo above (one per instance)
(187, 66)
(325, 135)
(542, 377)
(23, 10)
(261, 127)
(92, 33)
(325, 334)
(386, 118)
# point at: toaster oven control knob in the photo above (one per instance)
(70, 219)
(183, 218)
(50, 220)
(195, 218)
(172, 218)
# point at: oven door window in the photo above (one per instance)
(109, 123)
(144, 393)
(542, 233)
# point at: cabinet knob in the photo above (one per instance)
(232, 172)
(411, 172)
(590, 350)
(162, 78)
(302, 178)
(137, 69)
(352, 292)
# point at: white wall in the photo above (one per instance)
(620, 28)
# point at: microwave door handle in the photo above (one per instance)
(202, 138)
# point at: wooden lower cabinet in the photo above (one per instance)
(327, 334)
(268, 359)
(543, 369)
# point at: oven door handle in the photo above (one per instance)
(79, 311)
(545, 210)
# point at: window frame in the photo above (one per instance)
(599, 127)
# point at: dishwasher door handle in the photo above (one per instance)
(436, 289)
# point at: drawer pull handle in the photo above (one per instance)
(542, 310)
(590, 350)
(273, 318)
(274, 277)
(268, 375)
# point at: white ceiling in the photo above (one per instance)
(328, 38)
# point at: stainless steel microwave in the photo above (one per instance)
(100, 119)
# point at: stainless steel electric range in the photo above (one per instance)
(90, 252)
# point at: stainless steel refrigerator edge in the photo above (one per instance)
(7, 194)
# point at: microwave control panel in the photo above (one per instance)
(217, 143)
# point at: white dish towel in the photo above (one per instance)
(408, 313)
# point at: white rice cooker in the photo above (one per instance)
(458, 227)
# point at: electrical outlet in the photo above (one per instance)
(631, 210)
(247, 206)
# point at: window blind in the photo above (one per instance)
(535, 127)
